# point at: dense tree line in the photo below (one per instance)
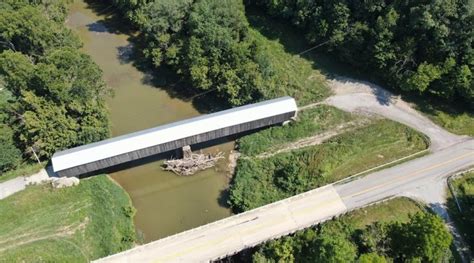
(424, 238)
(206, 41)
(422, 46)
(210, 45)
(51, 94)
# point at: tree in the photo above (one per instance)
(276, 250)
(332, 243)
(333, 249)
(374, 239)
(424, 237)
(219, 53)
(464, 80)
(29, 31)
(371, 258)
(292, 179)
(161, 23)
(51, 95)
(258, 257)
(69, 76)
(10, 156)
(205, 41)
(405, 43)
(423, 77)
(59, 102)
(16, 71)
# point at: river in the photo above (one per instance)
(165, 203)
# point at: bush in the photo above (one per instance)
(10, 156)
(309, 122)
(261, 181)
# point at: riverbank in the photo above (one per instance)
(145, 98)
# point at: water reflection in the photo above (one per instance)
(165, 203)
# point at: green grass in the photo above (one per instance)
(464, 189)
(22, 170)
(74, 224)
(293, 43)
(309, 122)
(288, 74)
(457, 123)
(394, 210)
(261, 181)
(456, 118)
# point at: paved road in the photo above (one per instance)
(18, 184)
(407, 177)
(11, 186)
(235, 233)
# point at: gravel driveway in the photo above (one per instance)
(359, 96)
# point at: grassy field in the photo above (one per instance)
(261, 181)
(78, 224)
(22, 170)
(461, 123)
(464, 190)
(455, 118)
(292, 41)
(309, 122)
(288, 74)
(394, 210)
(291, 75)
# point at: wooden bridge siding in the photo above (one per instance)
(173, 145)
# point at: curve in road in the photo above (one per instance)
(230, 235)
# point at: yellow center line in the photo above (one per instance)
(310, 209)
(251, 230)
(302, 211)
(408, 175)
(193, 248)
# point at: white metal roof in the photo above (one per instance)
(170, 132)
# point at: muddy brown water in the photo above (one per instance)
(165, 203)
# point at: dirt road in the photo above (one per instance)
(359, 96)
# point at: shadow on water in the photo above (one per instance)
(132, 164)
(223, 199)
(97, 27)
(112, 22)
(125, 54)
(163, 77)
(173, 154)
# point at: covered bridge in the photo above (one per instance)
(103, 154)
